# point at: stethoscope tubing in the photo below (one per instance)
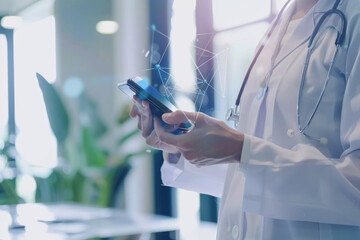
(338, 43)
(302, 129)
(237, 103)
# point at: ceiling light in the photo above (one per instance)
(107, 27)
(11, 22)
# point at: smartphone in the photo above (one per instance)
(159, 104)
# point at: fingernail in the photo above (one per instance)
(166, 115)
(143, 104)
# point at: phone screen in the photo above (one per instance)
(158, 102)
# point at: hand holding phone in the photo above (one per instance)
(159, 104)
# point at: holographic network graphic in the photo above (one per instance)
(201, 59)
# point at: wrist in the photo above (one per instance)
(238, 146)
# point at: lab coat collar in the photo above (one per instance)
(304, 30)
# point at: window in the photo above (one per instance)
(34, 52)
(238, 27)
(232, 13)
(241, 44)
(3, 95)
(182, 37)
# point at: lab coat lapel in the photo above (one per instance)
(304, 30)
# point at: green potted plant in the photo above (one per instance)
(8, 194)
(88, 172)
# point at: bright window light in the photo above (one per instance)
(184, 103)
(34, 52)
(241, 44)
(183, 34)
(26, 187)
(11, 22)
(3, 89)
(107, 27)
(182, 60)
(231, 13)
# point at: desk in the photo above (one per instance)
(73, 221)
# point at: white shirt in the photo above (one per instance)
(290, 186)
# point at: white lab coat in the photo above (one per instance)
(293, 187)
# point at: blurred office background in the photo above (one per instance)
(68, 138)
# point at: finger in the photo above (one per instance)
(204, 162)
(137, 102)
(142, 105)
(165, 136)
(195, 158)
(146, 123)
(178, 117)
(134, 111)
(154, 141)
(145, 104)
(190, 156)
(139, 123)
(146, 108)
(146, 119)
(136, 99)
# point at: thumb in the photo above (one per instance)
(178, 117)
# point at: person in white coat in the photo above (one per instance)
(287, 172)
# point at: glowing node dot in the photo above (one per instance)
(153, 27)
(157, 66)
(205, 81)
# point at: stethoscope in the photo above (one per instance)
(233, 113)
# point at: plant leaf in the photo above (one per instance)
(95, 157)
(55, 108)
(87, 107)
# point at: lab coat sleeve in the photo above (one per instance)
(205, 179)
(302, 184)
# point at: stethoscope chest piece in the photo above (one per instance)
(233, 115)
